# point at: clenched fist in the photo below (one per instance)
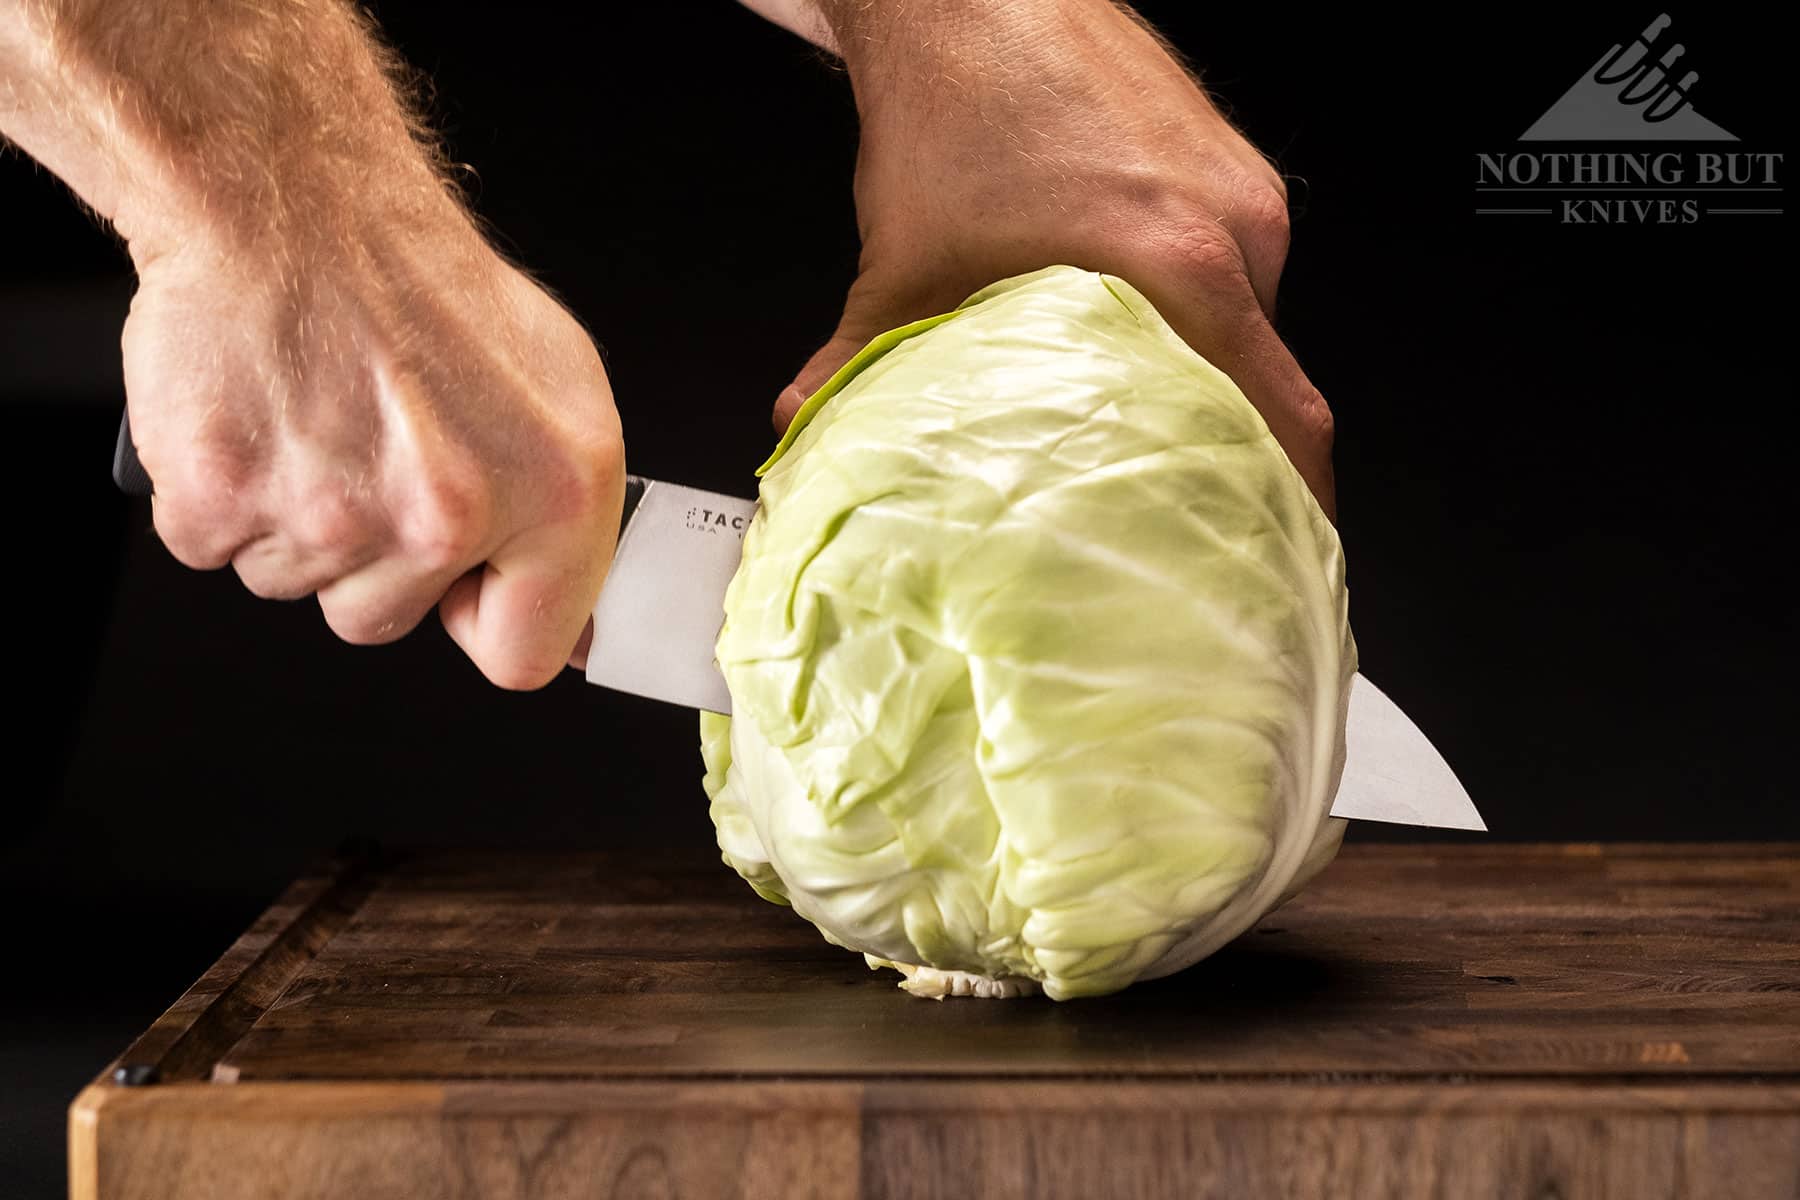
(395, 422)
(1000, 136)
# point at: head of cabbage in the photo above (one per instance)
(1038, 653)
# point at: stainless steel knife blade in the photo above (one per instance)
(664, 598)
(664, 601)
(1392, 772)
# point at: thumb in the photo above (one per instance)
(523, 616)
(873, 306)
(824, 363)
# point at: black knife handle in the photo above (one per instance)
(128, 472)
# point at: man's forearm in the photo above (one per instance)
(869, 33)
(910, 57)
(851, 26)
(254, 122)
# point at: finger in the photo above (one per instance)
(273, 568)
(1226, 326)
(1258, 220)
(321, 540)
(385, 600)
(201, 448)
(520, 616)
(208, 502)
(874, 305)
(195, 540)
(825, 362)
(1296, 412)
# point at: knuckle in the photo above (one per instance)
(443, 528)
(1262, 226)
(216, 482)
(605, 467)
(1316, 418)
(601, 463)
(587, 477)
(206, 493)
(198, 537)
(326, 519)
(607, 456)
(186, 440)
(1204, 254)
(1275, 183)
(1262, 211)
(1214, 242)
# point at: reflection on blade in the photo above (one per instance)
(1393, 773)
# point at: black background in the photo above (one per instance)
(1562, 477)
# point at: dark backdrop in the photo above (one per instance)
(1558, 468)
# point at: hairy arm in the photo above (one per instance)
(251, 121)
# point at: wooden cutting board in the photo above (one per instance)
(1465, 1021)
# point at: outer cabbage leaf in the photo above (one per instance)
(1039, 653)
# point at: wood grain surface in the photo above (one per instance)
(1528, 1021)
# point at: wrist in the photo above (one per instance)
(899, 55)
(302, 212)
(56, 114)
(309, 179)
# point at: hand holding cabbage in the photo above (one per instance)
(997, 137)
(1039, 653)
